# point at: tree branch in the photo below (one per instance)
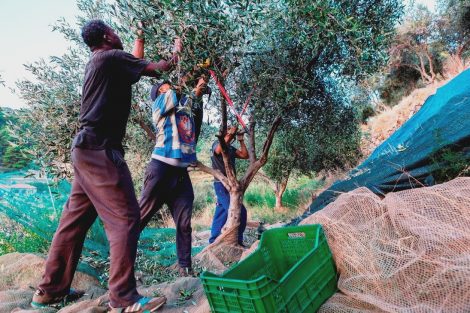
(216, 173)
(254, 167)
(314, 60)
(221, 136)
(251, 140)
(269, 140)
(283, 184)
(431, 67)
(462, 48)
(423, 69)
(147, 129)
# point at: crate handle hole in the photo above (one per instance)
(227, 290)
(296, 235)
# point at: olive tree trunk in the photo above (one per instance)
(279, 192)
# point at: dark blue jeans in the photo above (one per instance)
(221, 213)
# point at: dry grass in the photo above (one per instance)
(454, 65)
(384, 124)
(203, 220)
(381, 126)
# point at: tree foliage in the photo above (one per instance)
(214, 29)
(453, 26)
(312, 147)
(288, 49)
(3, 133)
(13, 155)
(317, 50)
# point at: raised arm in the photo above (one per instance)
(197, 109)
(138, 50)
(241, 153)
(218, 149)
(154, 68)
(201, 86)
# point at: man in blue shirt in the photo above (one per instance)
(223, 196)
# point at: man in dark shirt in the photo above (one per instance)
(102, 184)
(223, 196)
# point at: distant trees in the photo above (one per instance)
(453, 26)
(3, 135)
(310, 147)
(427, 47)
(414, 46)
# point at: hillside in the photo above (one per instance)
(389, 119)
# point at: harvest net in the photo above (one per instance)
(433, 145)
(34, 214)
(407, 252)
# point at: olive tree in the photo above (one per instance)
(415, 47)
(298, 57)
(453, 30)
(330, 140)
(301, 53)
(297, 54)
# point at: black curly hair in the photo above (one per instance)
(93, 32)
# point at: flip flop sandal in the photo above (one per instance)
(144, 305)
(51, 301)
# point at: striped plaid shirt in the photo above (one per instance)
(175, 127)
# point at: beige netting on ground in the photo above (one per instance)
(408, 252)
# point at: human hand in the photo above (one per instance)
(240, 136)
(138, 29)
(201, 83)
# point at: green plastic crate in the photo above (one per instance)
(292, 271)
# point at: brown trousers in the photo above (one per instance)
(102, 187)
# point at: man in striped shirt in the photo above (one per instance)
(166, 178)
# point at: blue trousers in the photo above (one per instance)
(221, 214)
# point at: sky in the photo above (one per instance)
(26, 36)
(431, 4)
